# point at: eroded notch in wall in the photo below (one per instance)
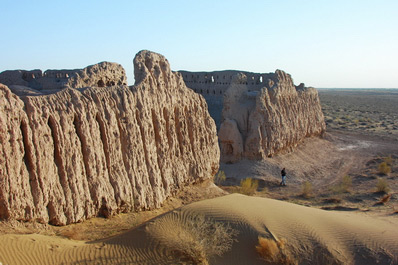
(178, 130)
(104, 141)
(158, 142)
(59, 164)
(28, 161)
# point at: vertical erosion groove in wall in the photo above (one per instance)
(28, 160)
(125, 157)
(104, 141)
(190, 127)
(158, 141)
(59, 164)
(83, 148)
(105, 148)
(167, 120)
(178, 131)
(144, 146)
(28, 151)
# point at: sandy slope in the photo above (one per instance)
(312, 236)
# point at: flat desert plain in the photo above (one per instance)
(340, 205)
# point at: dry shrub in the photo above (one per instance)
(344, 186)
(384, 168)
(382, 186)
(307, 190)
(220, 177)
(193, 239)
(274, 252)
(248, 186)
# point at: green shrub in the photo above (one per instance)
(220, 177)
(307, 190)
(248, 186)
(384, 168)
(382, 186)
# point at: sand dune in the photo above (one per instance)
(312, 236)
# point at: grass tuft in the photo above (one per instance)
(344, 186)
(274, 252)
(248, 186)
(384, 168)
(193, 239)
(382, 186)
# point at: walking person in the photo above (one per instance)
(283, 173)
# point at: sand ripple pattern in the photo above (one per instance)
(312, 236)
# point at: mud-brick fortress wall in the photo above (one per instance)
(213, 85)
(258, 115)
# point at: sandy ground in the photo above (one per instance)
(311, 236)
(329, 224)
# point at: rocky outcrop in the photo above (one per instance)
(75, 154)
(261, 114)
(103, 74)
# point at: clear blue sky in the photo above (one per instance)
(323, 43)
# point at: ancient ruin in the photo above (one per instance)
(80, 143)
(258, 115)
(35, 82)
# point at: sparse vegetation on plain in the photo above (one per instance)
(193, 239)
(382, 186)
(274, 252)
(248, 186)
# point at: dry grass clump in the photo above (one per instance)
(384, 168)
(248, 186)
(274, 252)
(307, 190)
(192, 239)
(382, 186)
(220, 177)
(344, 186)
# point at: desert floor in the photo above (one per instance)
(337, 207)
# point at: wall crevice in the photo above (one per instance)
(58, 161)
(28, 161)
(144, 146)
(125, 158)
(160, 155)
(178, 131)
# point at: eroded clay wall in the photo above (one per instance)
(258, 115)
(75, 154)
